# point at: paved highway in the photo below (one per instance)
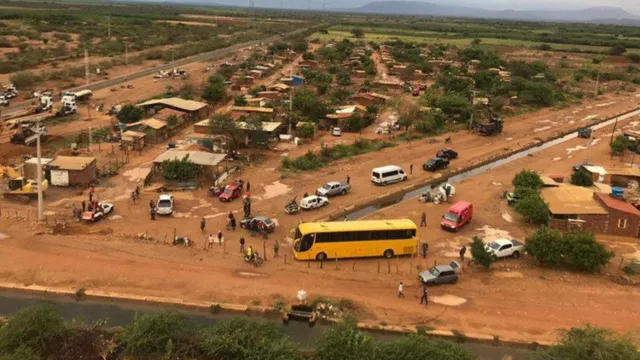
(211, 55)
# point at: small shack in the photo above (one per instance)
(208, 163)
(132, 140)
(30, 167)
(72, 171)
(195, 110)
(156, 130)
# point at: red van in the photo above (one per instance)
(459, 214)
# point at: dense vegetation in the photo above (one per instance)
(530, 204)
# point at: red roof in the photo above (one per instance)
(616, 204)
(459, 206)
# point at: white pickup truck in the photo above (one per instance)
(503, 248)
(333, 188)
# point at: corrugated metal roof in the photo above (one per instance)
(71, 162)
(135, 134)
(154, 123)
(635, 172)
(571, 200)
(267, 126)
(196, 157)
(252, 109)
(34, 160)
(618, 204)
(186, 105)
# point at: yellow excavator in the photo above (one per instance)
(19, 188)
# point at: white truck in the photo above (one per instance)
(165, 204)
(502, 248)
(333, 188)
(70, 96)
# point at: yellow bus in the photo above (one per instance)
(350, 239)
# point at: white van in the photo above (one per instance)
(387, 175)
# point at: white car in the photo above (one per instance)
(100, 211)
(165, 204)
(313, 202)
(502, 248)
(336, 131)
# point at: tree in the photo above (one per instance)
(527, 179)
(354, 123)
(172, 121)
(476, 41)
(345, 342)
(149, 334)
(129, 114)
(214, 90)
(416, 347)
(225, 125)
(454, 105)
(534, 209)
(239, 100)
(180, 170)
(243, 338)
(309, 105)
(619, 145)
(300, 46)
(357, 33)
(581, 178)
(306, 130)
(480, 254)
(344, 78)
(589, 343)
(31, 329)
(408, 113)
(308, 56)
(617, 50)
(546, 246)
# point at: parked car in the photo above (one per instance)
(502, 248)
(336, 131)
(512, 198)
(436, 164)
(458, 214)
(98, 213)
(387, 174)
(333, 188)
(229, 193)
(254, 223)
(313, 202)
(165, 204)
(441, 274)
(447, 153)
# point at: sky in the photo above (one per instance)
(632, 6)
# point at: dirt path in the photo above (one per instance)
(106, 256)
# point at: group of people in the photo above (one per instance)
(85, 206)
(423, 299)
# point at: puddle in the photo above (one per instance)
(251, 274)
(115, 217)
(589, 117)
(137, 174)
(274, 190)
(489, 234)
(509, 275)
(183, 215)
(606, 104)
(3, 236)
(202, 204)
(448, 300)
(542, 129)
(496, 183)
(577, 148)
(507, 217)
(557, 158)
(49, 213)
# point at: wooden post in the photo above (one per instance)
(174, 235)
(378, 266)
(353, 267)
(285, 258)
(336, 261)
(397, 266)
(388, 266)
(264, 249)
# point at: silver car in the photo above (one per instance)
(441, 274)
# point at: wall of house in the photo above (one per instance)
(594, 223)
(630, 226)
(83, 177)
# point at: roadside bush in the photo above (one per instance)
(619, 145)
(31, 330)
(308, 161)
(345, 342)
(589, 343)
(581, 178)
(634, 57)
(244, 339)
(418, 348)
(180, 170)
(617, 50)
(578, 250)
(527, 179)
(534, 209)
(153, 333)
(480, 254)
(313, 161)
(24, 80)
(129, 114)
(306, 131)
(22, 353)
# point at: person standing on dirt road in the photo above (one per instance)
(210, 241)
(276, 247)
(84, 206)
(401, 290)
(423, 220)
(463, 250)
(248, 186)
(151, 204)
(152, 211)
(425, 249)
(242, 244)
(203, 224)
(411, 169)
(348, 180)
(220, 237)
(425, 296)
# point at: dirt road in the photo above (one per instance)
(107, 256)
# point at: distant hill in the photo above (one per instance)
(601, 14)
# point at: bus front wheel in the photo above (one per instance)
(388, 254)
(321, 257)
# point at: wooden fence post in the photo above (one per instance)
(353, 267)
(285, 258)
(388, 266)
(378, 266)
(336, 261)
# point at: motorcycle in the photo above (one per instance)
(256, 260)
(292, 207)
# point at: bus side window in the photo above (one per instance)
(362, 235)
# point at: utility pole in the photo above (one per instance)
(615, 125)
(589, 146)
(90, 138)
(86, 65)
(473, 100)
(595, 94)
(290, 108)
(39, 168)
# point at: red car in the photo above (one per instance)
(230, 192)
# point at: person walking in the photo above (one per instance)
(401, 290)
(276, 247)
(242, 245)
(220, 237)
(203, 224)
(411, 169)
(348, 180)
(423, 220)
(248, 186)
(152, 211)
(138, 192)
(90, 197)
(210, 241)
(84, 206)
(463, 250)
(425, 296)
(151, 204)
(425, 249)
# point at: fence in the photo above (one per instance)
(21, 214)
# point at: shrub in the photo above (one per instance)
(242, 338)
(589, 343)
(31, 329)
(581, 178)
(419, 348)
(579, 250)
(24, 80)
(619, 145)
(534, 209)
(344, 341)
(527, 179)
(22, 353)
(150, 333)
(632, 268)
(129, 114)
(617, 50)
(306, 130)
(634, 57)
(180, 170)
(480, 254)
